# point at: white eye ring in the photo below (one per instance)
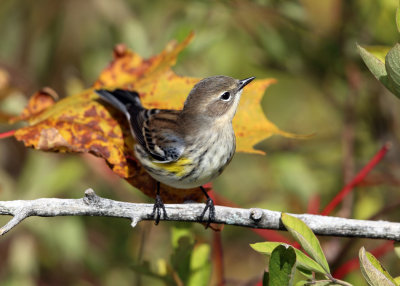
(226, 96)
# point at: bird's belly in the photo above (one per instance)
(195, 168)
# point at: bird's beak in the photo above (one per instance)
(244, 82)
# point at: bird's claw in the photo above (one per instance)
(211, 212)
(157, 207)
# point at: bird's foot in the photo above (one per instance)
(211, 212)
(158, 206)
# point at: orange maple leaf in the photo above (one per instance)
(81, 123)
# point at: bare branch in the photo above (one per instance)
(93, 205)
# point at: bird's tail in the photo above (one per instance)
(123, 100)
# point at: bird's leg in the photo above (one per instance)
(209, 206)
(158, 206)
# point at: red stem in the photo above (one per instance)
(7, 134)
(357, 179)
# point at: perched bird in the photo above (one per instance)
(184, 148)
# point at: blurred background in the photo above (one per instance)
(323, 87)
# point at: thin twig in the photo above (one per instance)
(93, 205)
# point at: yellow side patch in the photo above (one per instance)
(178, 168)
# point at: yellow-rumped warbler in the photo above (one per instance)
(184, 148)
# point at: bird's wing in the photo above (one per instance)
(160, 131)
(155, 130)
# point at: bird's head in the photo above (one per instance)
(215, 97)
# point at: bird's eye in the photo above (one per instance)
(226, 96)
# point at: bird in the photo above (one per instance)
(184, 148)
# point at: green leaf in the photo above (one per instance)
(321, 283)
(282, 266)
(307, 272)
(378, 52)
(145, 269)
(397, 280)
(183, 243)
(303, 235)
(179, 231)
(374, 58)
(304, 263)
(373, 271)
(265, 247)
(302, 283)
(325, 283)
(200, 266)
(392, 64)
(190, 260)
